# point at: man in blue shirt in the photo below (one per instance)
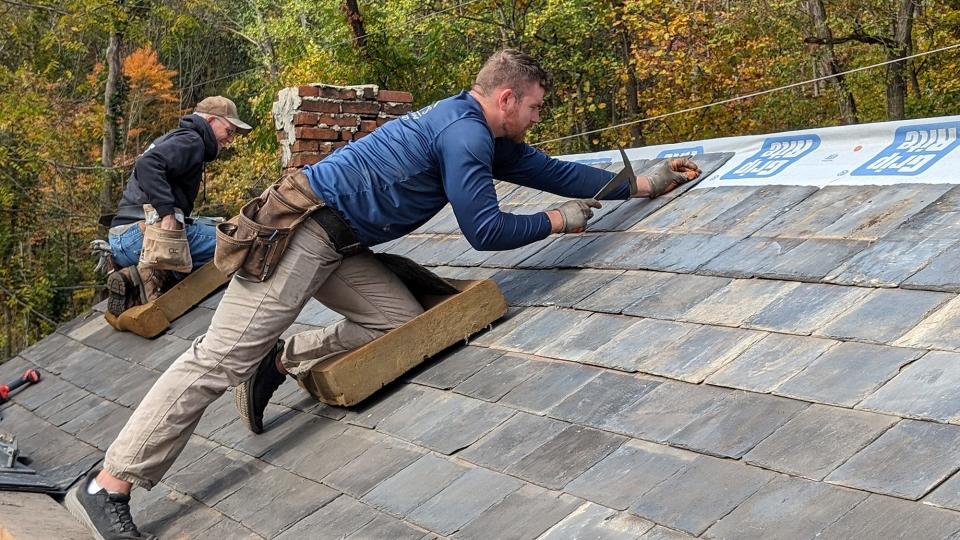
(375, 190)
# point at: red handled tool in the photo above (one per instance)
(30, 376)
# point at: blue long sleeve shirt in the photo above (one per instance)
(394, 180)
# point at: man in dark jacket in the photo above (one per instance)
(167, 176)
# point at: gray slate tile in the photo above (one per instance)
(454, 366)
(514, 317)
(937, 220)
(511, 441)
(940, 330)
(813, 259)
(676, 296)
(371, 411)
(499, 377)
(737, 302)
(162, 511)
(384, 526)
(215, 476)
(525, 513)
(463, 426)
(554, 382)
(48, 349)
(663, 533)
(847, 373)
(416, 484)
(750, 257)
(627, 288)
(665, 410)
(885, 211)
(598, 523)
(806, 308)
(337, 519)
(887, 263)
(907, 461)
(700, 353)
(700, 494)
(756, 207)
(884, 315)
(736, 424)
(273, 500)
(818, 440)
(699, 207)
(192, 324)
(464, 500)
(623, 477)
(820, 210)
(684, 252)
(940, 275)
(769, 362)
(793, 507)
(378, 462)
(281, 426)
(886, 517)
(645, 339)
(925, 389)
(585, 338)
(566, 456)
(603, 396)
(337, 452)
(947, 494)
(541, 329)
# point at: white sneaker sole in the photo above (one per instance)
(76, 510)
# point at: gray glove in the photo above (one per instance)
(575, 214)
(669, 174)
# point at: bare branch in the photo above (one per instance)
(35, 6)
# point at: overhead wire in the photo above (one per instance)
(747, 96)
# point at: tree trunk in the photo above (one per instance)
(111, 108)
(828, 62)
(355, 20)
(896, 79)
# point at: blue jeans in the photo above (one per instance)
(202, 238)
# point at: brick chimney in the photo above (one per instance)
(314, 120)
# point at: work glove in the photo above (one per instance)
(576, 213)
(101, 250)
(669, 174)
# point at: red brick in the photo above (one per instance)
(396, 96)
(305, 119)
(315, 105)
(368, 125)
(360, 134)
(396, 108)
(315, 133)
(331, 146)
(384, 119)
(360, 107)
(281, 135)
(299, 160)
(305, 146)
(346, 135)
(307, 91)
(342, 120)
(332, 92)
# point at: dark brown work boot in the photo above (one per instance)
(155, 282)
(126, 290)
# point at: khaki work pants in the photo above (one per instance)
(249, 320)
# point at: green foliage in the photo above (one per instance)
(612, 61)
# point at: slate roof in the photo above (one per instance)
(731, 362)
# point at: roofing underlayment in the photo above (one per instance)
(730, 361)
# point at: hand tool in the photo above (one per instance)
(30, 376)
(626, 174)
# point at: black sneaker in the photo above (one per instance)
(253, 395)
(107, 515)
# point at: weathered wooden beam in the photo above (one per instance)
(150, 319)
(350, 378)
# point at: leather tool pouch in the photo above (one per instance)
(252, 243)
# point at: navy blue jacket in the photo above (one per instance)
(394, 180)
(169, 171)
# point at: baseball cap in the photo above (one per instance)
(221, 106)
